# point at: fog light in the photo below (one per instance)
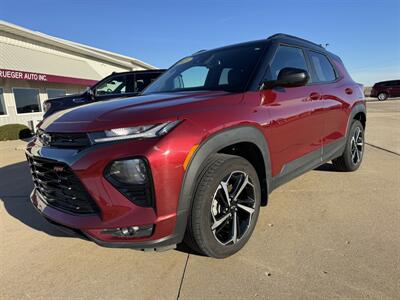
(133, 231)
(130, 171)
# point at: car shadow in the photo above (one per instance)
(327, 167)
(15, 188)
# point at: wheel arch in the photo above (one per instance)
(221, 142)
(358, 112)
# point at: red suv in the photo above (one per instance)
(197, 154)
(385, 89)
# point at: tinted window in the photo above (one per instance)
(55, 93)
(286, 57)
(323, 68)
(114, 85)
(2, 104)
(392, 83)
(204, 70)
(143, 80)
(27, 100)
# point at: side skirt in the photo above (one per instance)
(308, 162)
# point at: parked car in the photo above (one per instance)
(125, 84)
(386, 89)
(195, 156)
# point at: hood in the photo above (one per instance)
(65, 98)
(141, 110)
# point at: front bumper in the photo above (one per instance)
(115, 210)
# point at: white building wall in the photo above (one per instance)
(38, 57)
(21, 53)
(12, 117)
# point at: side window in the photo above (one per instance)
(193, 77)
(116, 85)
(286, 57)
(322, 66)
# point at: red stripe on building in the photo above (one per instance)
(22, 75)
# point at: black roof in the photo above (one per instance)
(386, 81)
(290, 39)
(140, 72)
(279, 37)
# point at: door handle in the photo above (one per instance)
(348, 91)
(315, 96)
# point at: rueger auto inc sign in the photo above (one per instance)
(22, 75)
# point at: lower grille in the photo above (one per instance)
(60, 187)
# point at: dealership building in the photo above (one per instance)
(35, 67)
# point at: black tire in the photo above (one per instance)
(351, 158)
(209, 207)
(382, 96)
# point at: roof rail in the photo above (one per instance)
(284, 35)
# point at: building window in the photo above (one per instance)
(55, 93)
(27, 100)
(2, 104)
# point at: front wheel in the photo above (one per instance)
(225, 207)
(354, 151)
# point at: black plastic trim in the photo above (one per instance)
(120, 186)
(199, 161)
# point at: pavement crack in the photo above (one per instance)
(183, 277)
(383, 149)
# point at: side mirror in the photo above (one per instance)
(288, 77)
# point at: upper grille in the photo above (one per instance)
(59, 186)
(64, 140)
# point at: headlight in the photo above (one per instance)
(146, 131)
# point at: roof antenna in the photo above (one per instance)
(324, 45)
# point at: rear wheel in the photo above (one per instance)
(353, 153)
(225, 207)
(382, 96)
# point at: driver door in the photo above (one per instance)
(296, 117)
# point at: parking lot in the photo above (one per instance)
(324, 235)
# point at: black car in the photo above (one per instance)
(116, 85)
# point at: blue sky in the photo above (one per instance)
(365, 34)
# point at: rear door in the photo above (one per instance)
(297, 122)
(335, 95)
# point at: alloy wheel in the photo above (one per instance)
(232, 208)
(357, 146)
(382, 96)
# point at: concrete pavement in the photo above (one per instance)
(324, 235)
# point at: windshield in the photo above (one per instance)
(227, 69)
